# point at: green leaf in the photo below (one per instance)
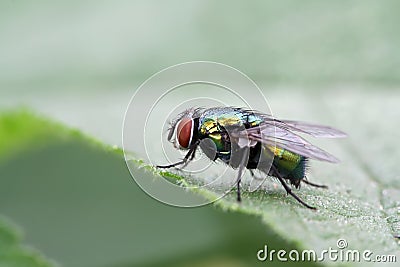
(87, 194)
(77, 202)
(362, 204)
(13, 253)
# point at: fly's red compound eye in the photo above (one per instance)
(184, 132)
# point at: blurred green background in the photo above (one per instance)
(79, 62)
(84, 45)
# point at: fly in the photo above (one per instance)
(247, 139)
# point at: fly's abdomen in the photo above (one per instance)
(290, 165)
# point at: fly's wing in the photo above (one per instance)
(273, 136)
(315, 130)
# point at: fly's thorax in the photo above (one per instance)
(210, 129)
(214, 122)
(234, 117)
(217, 124)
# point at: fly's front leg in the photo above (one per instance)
(188, 157)
(191, 157)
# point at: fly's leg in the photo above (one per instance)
(254, 175)
(242, 165)
(191, 157)
(188, 157)
(239, 197)
(238, 180)
(289, 190)
(315, 185)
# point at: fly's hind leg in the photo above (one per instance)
(289, 190)
(315, 185)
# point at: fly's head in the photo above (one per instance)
(182, 130)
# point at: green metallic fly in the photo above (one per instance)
(245, 139)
